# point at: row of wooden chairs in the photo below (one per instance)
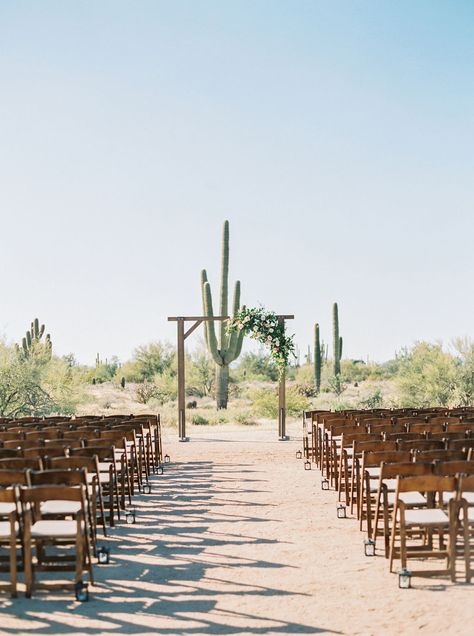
(58, 482)
(361, 455)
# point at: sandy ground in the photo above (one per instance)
(237, 538)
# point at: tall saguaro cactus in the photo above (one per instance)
(224, 348)
(337, 341)
(318, 354)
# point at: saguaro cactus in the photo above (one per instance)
(225, 348)
(318, 355)
(30, 343)
(337, 341)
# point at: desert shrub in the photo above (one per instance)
(132, 372)
(305, 374)
(427, 376)
(199, 420)
(36, 385)
(145, 392)
(152, 359)
(166, 386)
(200, 373)
(256, 366)
(307, 389)
(336, 384)
(265, 402)
(341, 406)
(372, 401)
(245, 418)
(464, 348)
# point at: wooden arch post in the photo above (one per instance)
(181, 337)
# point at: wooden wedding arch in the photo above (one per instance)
(181, 337)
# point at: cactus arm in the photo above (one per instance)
(224, 308)
(236, 337)
(206, 323)
(216, 354)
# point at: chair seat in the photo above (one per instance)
(60, 507)
(104, 466)
(408, 498)
(426, 517)
(7, 508)
(373, 471)
(103, 478)
(53, 529)
(5, 529)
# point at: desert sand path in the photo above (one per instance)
(236, 538)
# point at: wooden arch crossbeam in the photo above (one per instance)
(181, 337)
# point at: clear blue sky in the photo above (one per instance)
(337, 137)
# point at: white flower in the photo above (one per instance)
(269, 337)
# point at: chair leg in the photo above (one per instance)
(13, 568)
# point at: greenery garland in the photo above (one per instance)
(265, 327)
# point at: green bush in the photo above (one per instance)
(256, 366)
(199, 420)
(427, 376)
(245, 418)
(265, 402)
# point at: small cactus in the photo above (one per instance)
(318, 357)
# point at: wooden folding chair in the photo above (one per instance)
(65, 509)
(389, 472)
(369, 480)
(9, 532)
(108, 476)
(465, 504)
(60, 533)
(411, 524)
(94, 488)
(358, 447)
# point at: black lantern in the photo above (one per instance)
(404, 579)
(82, 591)
(130, 516)
(341, 511)
(147, 489)
(299, 454)
(160, 470)
(369, 547)
(307, 465)
(324, 484)
(103, 556)
(167, 459)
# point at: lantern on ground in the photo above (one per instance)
(81, 591)
(404, 579)
(130, 516)
(160, 470)
(307, 465)
(167, 459)
(369, 547)
(147, 488)
(341, 511)
(299, 454)
(103, 556)
(324, 484)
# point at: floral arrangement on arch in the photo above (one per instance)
(265, 327)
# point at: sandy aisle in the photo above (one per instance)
(237, 538)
